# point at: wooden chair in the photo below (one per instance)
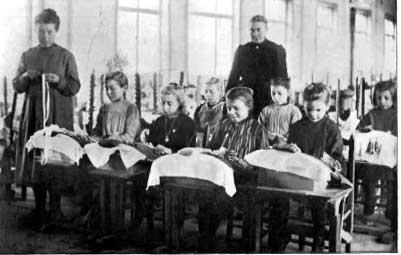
(301, 226)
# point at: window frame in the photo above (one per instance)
(215, 15)
(288, 22)
(138, 10)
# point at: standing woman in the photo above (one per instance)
(60, 71)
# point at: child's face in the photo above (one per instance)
(384, 99)
(170, 105)
(114, 91)
(237, 110)
(315, 110)
(279, 94)
(212, 94)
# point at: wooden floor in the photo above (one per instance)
(15, 237)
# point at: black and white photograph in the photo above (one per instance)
(198, 126)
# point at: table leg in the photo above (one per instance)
(259, 227)
(334, 228)
(167, 215)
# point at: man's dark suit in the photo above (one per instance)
(254, 66)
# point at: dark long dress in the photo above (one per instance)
(54, 59)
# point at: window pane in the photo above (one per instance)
(201, 45)
(276, 10)
(225, 7)
(149, 43)
(149, 4)
(363, 54)
(202, 5)
(128, 3)
(14, 41)
(362, 22)
(276, 32)
(389, 27)
(326, 16)
(224, 46)
(127, 37)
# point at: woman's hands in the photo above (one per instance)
(34, 74)
(31, 74)
(52, 78)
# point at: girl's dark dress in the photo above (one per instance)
(174, 133)
(313, 138)
(382, 120)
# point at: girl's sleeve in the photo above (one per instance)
(262, 117)
(197, 119)
(295, 115)
(20, 83)
(262, 138)
(190, 127)
(99, 123)
(334, 145)
(291, 134)
(365, 121)
(154, 131)
(218, 137)
(132, 124)
(70, 84)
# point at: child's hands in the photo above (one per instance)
(291, 147)
(162, 150)
(366, 129)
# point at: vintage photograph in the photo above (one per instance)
(198, 126)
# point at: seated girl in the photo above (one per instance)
(382, 117)
(118, 119)
(237, 136)
(278, 117)
(209, 115)
(173, 130)
(315, 134)
(347, 115)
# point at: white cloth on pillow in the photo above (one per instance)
(385, 151)
(299, 164)
(197, 165)
(99, 155)
(58, 143)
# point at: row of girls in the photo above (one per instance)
(233, 131)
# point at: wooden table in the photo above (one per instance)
(174, 189)
(335, 198)
(113, 179)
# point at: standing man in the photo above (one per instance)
(256, 63)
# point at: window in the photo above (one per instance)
(139, 30)
(363, 45)
(13, 27)
(326, 67)
(210, 36)
(279, 17)
(327, 16)
(390, 44)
